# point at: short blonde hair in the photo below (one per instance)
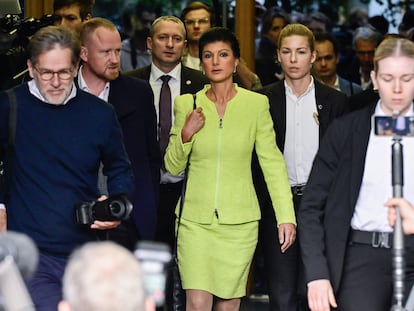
(167, 18)
(297, 30)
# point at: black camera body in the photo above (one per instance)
(114, 208)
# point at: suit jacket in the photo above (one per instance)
(324, 217)
(191, 80)
(219, 179)
(348, 87)
(133, 102)
(330, 104)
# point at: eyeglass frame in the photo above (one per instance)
(58, 73)
(192, 22)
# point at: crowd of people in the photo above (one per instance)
(281, 163)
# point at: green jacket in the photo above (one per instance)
(220, 177)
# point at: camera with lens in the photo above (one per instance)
(114, 208)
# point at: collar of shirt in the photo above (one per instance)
(84, 87)
(336, 84)
(156, 73)
(34, 90)
(310, 88)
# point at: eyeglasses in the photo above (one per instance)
(192, 22)
(46, 75)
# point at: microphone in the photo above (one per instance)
(18, 258)
(22, 249)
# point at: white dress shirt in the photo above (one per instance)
(302, 134)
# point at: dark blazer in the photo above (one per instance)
(191, 80)
(330, 104)
(133, 102)
(324, 217)
(348, 87)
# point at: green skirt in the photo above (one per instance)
(217, 257)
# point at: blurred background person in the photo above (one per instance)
(103, 276)
(267, 67)
(379, 23)
(406, 27)
(324, 67)
(134, 51)
(71, 13)
(358, 67)
(318, 22)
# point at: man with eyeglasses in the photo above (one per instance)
(62, 135)
(198, 18)
(358, 70)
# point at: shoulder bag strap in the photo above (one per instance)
(7, 164)
(183, 189)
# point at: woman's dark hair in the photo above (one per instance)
(216, 34)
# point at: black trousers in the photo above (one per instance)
(285, 289)
(169, 196)
(367, 279)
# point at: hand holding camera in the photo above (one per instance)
(115, 208)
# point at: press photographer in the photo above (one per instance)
(62, 136)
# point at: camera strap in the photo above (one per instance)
(7, 162)
(183, 189)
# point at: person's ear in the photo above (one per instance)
(84, 53)
(149, 43)
(30, 67)
(374, 80)
(88, 16)
(64, 306)
(313, 58)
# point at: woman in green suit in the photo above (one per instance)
(219, 224)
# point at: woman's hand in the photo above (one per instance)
(193, 123)
(287, 236)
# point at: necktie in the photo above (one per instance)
(165, 114)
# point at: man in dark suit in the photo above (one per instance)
(132, 99)
(302, 108)
(167, 43)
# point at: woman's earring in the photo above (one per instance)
(235, 69)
